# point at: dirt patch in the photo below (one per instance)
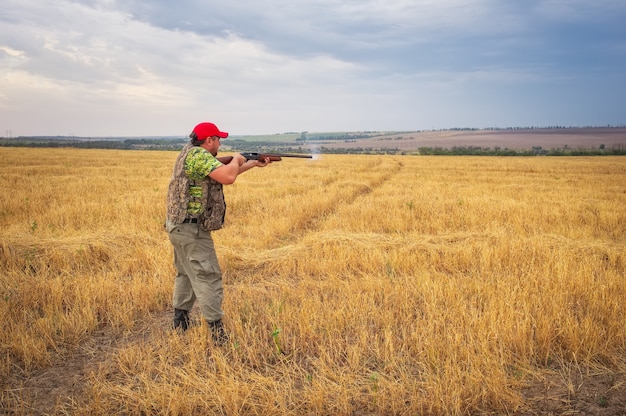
(573, 390)
(46, 391)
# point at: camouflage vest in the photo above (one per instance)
(178, 197)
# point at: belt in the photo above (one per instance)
(190, 221)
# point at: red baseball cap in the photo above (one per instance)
(204, 130)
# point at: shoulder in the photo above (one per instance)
(200, 162)
(198, 151)
(198, 154)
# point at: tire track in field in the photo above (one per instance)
(305, 225)
(360, 189)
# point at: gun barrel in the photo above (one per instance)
(292, 155)
(274, 156)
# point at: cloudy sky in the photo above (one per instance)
(158, 67)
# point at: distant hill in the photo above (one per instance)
(600, 140)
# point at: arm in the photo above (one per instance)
(248, 164)
(227, 173)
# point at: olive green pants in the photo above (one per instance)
(198, 271)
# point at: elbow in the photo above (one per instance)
(224, 175)
(229, 180)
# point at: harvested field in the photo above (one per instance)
(354, 285)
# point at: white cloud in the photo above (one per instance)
(134, 68)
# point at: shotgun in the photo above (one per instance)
(274, 157)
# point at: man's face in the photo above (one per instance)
(212, 144)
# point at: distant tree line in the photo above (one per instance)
(329, 137)
(239, 145)
(602, 150)
(558, 127)
(617, 150)
(126, 144)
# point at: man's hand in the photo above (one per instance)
(239, 159)
(262, 163)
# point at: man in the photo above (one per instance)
(195, 207)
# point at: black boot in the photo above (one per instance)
(219, 335)
(181, 319)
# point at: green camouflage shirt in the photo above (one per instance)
(198, 164)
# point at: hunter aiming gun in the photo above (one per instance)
(274, 157)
